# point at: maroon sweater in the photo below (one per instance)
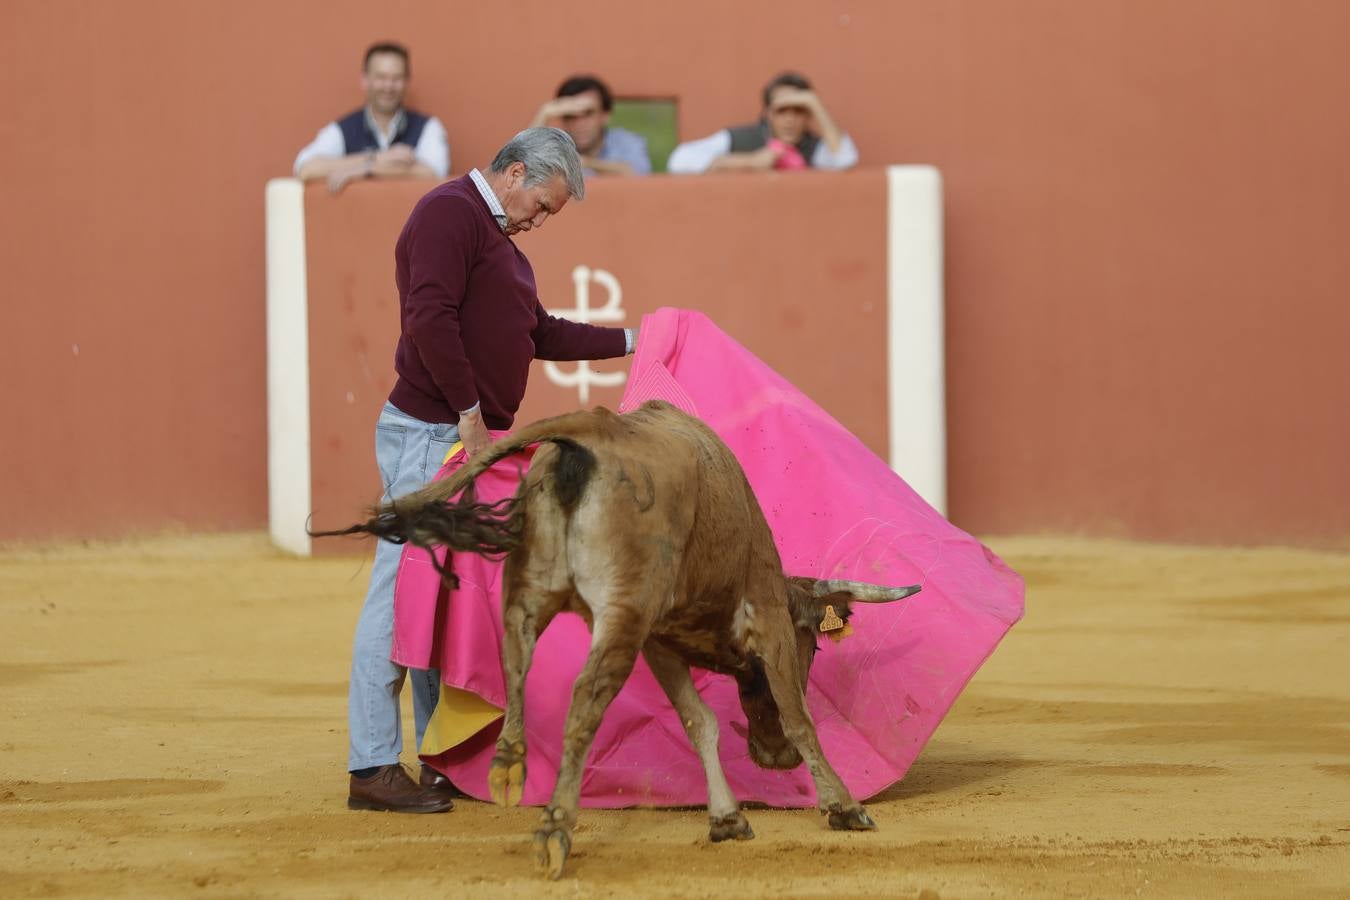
(470, 315)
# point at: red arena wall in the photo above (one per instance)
(799, 277)
(1145, 216)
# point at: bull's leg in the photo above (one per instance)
(615, 640)
(527, 610)
(506, 778)
(846, 814)
(701, 725)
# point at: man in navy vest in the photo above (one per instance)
(795, 131)
(383, 139)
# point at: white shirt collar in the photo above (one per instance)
(490, 196)
(383, 138)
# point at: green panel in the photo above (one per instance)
(652, 117)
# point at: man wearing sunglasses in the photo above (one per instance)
(795, 132)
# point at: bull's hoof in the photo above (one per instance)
(551, 847)
(506, 778)
(730, 827)
(854, 819)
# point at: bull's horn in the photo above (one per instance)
(864, 592)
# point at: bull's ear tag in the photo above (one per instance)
(830, 622)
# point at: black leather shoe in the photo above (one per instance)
(391, 789)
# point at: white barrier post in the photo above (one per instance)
(916, 377)
(288, 466)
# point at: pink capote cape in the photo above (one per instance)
(836, 510)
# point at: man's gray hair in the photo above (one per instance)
(546, 153)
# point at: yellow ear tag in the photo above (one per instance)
(831, 622)
(842, 633)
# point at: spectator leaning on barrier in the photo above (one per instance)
(795, 132)
(383, 139)
(471, 322)
(582, 108)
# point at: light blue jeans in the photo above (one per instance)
(409, 453)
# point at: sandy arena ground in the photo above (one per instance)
(1165, 722)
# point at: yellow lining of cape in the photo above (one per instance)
(458, 716)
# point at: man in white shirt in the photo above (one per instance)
(796, 132)
(382, 139)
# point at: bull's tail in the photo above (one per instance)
(426, 519)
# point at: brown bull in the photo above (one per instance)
(645, 525)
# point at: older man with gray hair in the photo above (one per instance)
(471, 322)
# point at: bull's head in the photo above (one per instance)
(823, 606)
(818, 608)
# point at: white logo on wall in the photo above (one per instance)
(582, 377)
